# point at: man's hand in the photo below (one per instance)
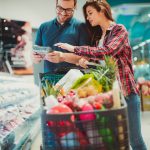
(65, 46)
(54, 57)
(36, 57)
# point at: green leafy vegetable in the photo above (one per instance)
(49, 88)
(106, 74)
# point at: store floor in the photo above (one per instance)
(146, 128)
(145, 131)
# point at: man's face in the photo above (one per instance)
(64, 10)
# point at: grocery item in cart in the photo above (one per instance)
(67, 81)
(116, 95)
(86, 86)
(90, 116)
(70, 131)
(60, 108)
(72, 139)
(50, 102)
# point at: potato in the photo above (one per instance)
(91, 90)
(81, 93)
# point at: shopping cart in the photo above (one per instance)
(109, 131)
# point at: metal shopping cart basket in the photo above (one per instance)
(109, 131)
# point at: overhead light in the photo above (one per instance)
(142, 44)
(148, 41)
(135, 58)
(148, 15)
(6, 28)
(135, 47)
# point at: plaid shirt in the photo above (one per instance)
(115, 44)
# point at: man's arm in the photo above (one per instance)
(57, 57)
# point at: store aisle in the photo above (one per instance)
(145, 130)
(37, 143)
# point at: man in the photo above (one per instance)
(64, 28)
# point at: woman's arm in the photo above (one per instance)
(114, 45)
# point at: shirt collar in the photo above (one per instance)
(69, 21)
(111, 26)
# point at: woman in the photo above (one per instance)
(113, 42)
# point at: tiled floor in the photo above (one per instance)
(145, 131)
(37, 143)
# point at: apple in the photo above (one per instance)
(61, 108)
(89, 115)
(99, 98)
(108, 101)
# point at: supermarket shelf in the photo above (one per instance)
(19, 95)
(28, 138)
(17, 101)
(22, 133)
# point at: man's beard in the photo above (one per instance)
(63, 19)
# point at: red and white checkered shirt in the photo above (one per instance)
(116, 44)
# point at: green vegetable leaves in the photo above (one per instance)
(106, 74)
(49, 88)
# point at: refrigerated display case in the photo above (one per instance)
(19, 113)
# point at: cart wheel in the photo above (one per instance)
(41, 147)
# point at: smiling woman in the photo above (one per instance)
(113, 42)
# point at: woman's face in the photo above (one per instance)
(93, 16)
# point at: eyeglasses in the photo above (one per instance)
(67, 10)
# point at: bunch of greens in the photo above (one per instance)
(106, 74)
(49, 88)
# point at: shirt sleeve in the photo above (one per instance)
(113, 46)
(38, 40)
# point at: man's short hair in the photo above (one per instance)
(75, 1)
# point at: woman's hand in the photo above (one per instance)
(65, 46)
(83, 62)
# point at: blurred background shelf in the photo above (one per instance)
(19, 102)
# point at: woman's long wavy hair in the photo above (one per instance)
(99, 5)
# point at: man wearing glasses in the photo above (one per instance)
(64, 28)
